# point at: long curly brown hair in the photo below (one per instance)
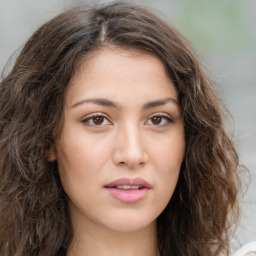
(34, 218)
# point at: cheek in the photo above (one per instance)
(167, 160)
(170, 153)
(80, 152)
(80, 161)
(166, 181)
(78, 171)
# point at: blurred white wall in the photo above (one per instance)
(224, 36)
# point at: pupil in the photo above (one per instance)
(98, 120)
(156, 120)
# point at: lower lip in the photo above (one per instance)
(128, 196)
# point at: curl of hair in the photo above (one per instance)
(34, 218)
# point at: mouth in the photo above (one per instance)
(129, 183)
(128, 190)
(128, 187)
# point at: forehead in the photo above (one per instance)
(108, 53)
(112, 71)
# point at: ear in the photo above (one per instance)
(52, 153)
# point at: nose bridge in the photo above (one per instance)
(129, 148)
(133, 138)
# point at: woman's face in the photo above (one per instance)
(122, 144)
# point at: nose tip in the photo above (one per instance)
(132, 160)
(129, 149)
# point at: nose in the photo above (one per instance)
(128, 147)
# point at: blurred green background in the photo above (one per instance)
(223, 34)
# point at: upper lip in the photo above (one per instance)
(129, 181)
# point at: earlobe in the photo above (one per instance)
(52, 153)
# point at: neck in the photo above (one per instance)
(94, 241)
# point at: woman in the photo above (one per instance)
(113, 141)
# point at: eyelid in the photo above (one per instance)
(92, 115)
(161, 114)
(166, 116)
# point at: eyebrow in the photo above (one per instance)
(108, 103)
(160, 102)
(98, 101)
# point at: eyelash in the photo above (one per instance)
(168, 119)
(89, 119)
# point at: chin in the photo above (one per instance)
(128, 222)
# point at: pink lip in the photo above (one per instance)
(128, 195)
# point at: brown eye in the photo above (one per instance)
(98, 120)
(159, 120)
(156, 120)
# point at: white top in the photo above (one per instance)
(247, 250)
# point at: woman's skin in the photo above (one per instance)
(122, 120)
